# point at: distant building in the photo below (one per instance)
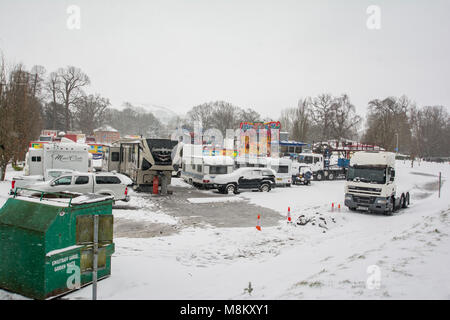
(106, 135)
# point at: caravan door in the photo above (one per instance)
(112, 159)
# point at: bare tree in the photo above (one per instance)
(387, 118)
(345, 121)
(203, 114)
(20, 114)
(90, 112)
(322, 114)
(431, 133)
(73, 80)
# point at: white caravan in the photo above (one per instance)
(371, 184)
(200, 170)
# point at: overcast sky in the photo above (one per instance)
(259, 54)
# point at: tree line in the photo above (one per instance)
(31, 100)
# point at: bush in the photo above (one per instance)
(17, 168)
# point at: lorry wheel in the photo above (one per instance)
(230, 188)
(319, 176)
(405, 202)
(331, 176)
(391, 209)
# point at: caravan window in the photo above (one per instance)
(36, 159)
(217, 169)
(199, 168)
(115, 156)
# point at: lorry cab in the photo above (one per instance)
(312, 160)
(371, 183)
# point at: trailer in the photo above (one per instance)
(148, 162)
(199, 171)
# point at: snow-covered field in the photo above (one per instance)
(333, 259)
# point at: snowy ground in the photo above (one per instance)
(331, 260)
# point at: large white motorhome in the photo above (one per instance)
(282, 167)
(371, 183)
(71, 156)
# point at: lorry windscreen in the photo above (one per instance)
(366, 174)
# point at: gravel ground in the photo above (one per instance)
(218, 214)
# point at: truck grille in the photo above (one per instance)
(365, 190)
(364, 200)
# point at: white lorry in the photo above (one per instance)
(371, 184)
(320, 169)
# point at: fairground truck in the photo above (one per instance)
(371, 184)
(323, 168)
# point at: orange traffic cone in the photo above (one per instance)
(289, 215)
(332, 206)
(258, 223)
(339, 207)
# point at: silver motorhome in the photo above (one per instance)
(142, 160)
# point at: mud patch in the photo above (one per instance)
(125, 228)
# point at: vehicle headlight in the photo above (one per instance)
(382, 201)
(348, 197)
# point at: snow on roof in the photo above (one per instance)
(218, 160)
(106, 128)
(373, 158)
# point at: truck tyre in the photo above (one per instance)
(319, 176)
(390, 210)
(331, 176)
(405, 201)
(230, 188)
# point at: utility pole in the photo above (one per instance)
(396, 149)
(95, 262)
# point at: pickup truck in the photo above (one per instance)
(50, 174)
(104, 183)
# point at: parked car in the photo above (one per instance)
(262, 179)
(104, 183)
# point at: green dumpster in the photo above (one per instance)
(46, 243)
